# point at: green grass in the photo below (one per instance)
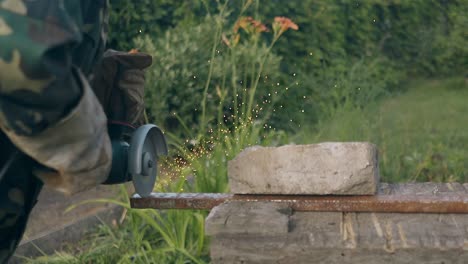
(422, 135)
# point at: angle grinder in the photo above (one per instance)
(134, 155)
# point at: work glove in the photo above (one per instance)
(118, 82)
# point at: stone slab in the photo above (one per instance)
(349, 168)
(336, 237)
(263, 219)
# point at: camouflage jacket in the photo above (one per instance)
(46, 47)
(40, 41)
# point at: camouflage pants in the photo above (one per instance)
(18, 193)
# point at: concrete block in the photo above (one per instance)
(338, 237)
(335, 237)
(326, 168)
(248, 218)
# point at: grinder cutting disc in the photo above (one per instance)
(146, 145)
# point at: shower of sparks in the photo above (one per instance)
(196, 157)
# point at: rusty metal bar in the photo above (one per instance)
(446, 203)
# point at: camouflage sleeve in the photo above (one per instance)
(47, 108)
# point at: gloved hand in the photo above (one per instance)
(81, 137)
(118, 82)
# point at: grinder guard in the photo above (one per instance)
(134, 155)
(146, 145)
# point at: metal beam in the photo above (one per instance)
(381, 203)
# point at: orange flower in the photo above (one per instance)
(250, 25)
(243, 23)
(258, 26)
(283, 23)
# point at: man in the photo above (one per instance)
(53, 126)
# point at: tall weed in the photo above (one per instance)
(198, 82)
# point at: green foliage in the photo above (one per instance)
(338, 41)
(451, 49)
(422, 36)
(426, 36)
(314, 98)
(129, 19)
(187, 78)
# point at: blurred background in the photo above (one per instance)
(390, 72)
(232, 74)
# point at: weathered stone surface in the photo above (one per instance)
(334, 237)
(326, 168)
(263, 219)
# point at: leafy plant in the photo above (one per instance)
(130, 19)
(192, 89)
